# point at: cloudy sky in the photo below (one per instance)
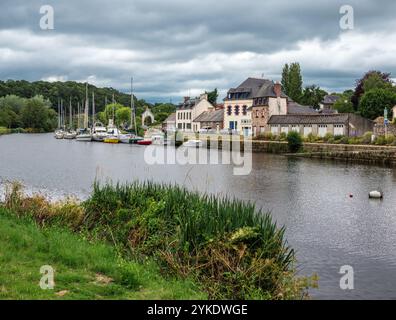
(176, 47)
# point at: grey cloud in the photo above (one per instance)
(171, 39)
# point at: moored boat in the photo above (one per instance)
(193, 144)
(84, 135)
(70, 135)
(99, 132)
(59, 134)
(144, 142)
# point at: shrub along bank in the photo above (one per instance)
(229, 248)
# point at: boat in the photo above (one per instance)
(193, 144)
(84, 135)
(59, 134)
(158, 139)
(70, 135)
(99, 132)
(144, 142)
(113, 134)
(375, 195)
(135, 139)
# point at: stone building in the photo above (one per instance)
(189, 110)
(210, 120)
(237, 105)
(170, 123)
(346, 124)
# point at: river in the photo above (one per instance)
(326, 226)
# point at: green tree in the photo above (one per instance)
(292, 81)
(37, 115)
(312, 96)
(294, 141)
(344, 104)
(212, 96)
(285, 79)
(123, 116)
(372, 84)
(373, 102)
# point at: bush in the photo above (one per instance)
(344, 140)
(380, 141)
(294, 141)
(311, 138)
(283, 136)
(232, 249)
(390, 139)
(366, 139)
(328, 137)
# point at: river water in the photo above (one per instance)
(326, 226)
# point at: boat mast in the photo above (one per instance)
(133, 111)
(86, 114)
(93, 108)
(70, 115)
(59, 115)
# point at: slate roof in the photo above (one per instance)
(340, 118)
(211, 116)
(267, 90)
(250, 86)
(171, 118)
(295, 108)
(330, 99)
(188, 104)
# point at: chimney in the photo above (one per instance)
(278, 89)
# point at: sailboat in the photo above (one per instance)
(85, 133)
(71, 133)
(59, 133)
(113, 134)
(99, 131)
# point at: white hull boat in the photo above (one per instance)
(193, 144)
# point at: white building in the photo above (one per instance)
(189, 110)
(237, 106)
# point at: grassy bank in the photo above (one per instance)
(83, 269)
(229, 248)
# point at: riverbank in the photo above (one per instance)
(364, 153)
(229, 249)
(83, 269)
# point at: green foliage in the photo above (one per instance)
(84, 269)
(292, 81)
(229, 247)
(312, 96)
(123, 116)
(344, 104)
(295, 142)
(212, 96)
(311, 138)
(373, 83)
(374, 102)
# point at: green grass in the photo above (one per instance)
(79, 267)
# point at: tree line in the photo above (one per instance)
(372, 93)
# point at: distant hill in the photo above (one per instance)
(66, 90)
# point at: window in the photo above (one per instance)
(229, 110)
(237, 110)
(285, 129)
(338, 129)
(295, 128)
(188, 126)
(257, 113)
(244, 110)
(180, 126)
(322, 130)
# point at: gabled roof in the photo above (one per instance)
(330, 99)
(340, 118)
(211, 116)
(171, 118)
(267, 90)
(295, 108)
(250, 86)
